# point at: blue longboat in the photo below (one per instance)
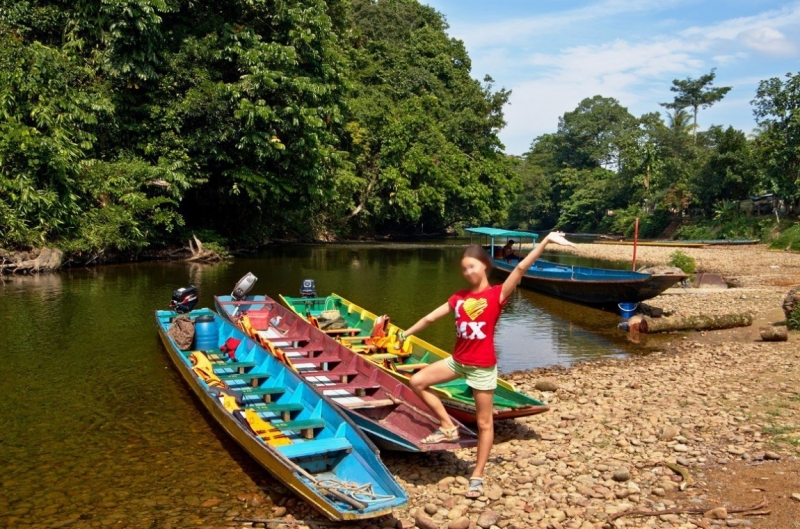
(593, 286)
(286, 424)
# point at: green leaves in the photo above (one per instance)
(777, 111)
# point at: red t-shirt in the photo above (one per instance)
(476, 317)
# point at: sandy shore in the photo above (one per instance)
(748, 266)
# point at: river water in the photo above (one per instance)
(98, 430)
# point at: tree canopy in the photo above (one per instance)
(133, 122)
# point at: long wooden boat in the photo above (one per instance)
(593, 286)
(285, 424)
(688, 243)
(362, 325)
(667, 244)
(386, 409)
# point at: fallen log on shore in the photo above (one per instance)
(41, 260)
(650, 325)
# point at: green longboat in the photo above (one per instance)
(456, 395)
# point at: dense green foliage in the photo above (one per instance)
(789, 239)
(604, 167)
(683, 261)
(132, 122)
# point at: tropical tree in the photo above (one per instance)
(777, 112)
(696, 94)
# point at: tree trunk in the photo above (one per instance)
(695, 125)
(698, 323)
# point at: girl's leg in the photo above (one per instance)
(484, 402)
(435, 373)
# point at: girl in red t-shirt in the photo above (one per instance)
(477, 310)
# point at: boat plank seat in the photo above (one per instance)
(244, 376)
(284, 409)
(362, 348)
(266, 393)
(357, 389)
(340, 374)
(287, 338)
(305, 427)
(316, 360)
(376, 403)
(354, 338)
(241, 366)
(317, 447)
(334, 332)
(410, 367)
(381, 356)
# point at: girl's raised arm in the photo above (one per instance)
(515, 276)
(437, 313)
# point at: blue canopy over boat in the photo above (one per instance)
(497, 232)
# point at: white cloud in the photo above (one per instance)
(769, 41)
(509, 31)
(637, 73)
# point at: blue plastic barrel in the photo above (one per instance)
(627, 310)
(205, 333)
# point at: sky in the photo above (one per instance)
(554, 53)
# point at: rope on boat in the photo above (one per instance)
(353, 494)
(363, 493)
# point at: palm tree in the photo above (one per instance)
(679, 121)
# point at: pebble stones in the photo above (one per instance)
(622, 474)
(717, 513)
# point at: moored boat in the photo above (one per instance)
(361, 333)
(594, 286)
(386, 409)
(284, 423)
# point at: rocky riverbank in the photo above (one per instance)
(613, 426)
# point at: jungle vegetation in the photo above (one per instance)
(128, 124)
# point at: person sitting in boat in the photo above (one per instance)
(477, 310)
(508, 252)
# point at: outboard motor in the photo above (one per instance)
(184, 299)
(309, 289)
(244, 286)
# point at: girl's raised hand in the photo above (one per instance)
(557, 237)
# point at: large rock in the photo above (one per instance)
(546, 384)
(488, 519)
(459, 523)
(423, 521)
(622, 474)
(661, 270)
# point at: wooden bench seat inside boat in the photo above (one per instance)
(263, 392)
(241, 366)
(284, 409)
(317, 447)
(410, 367)
(357, 389)
(381, 356)
(375, 403)
(305, 427)
(332, 332)
(339, 374)
(316, 360)
(242, 376)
